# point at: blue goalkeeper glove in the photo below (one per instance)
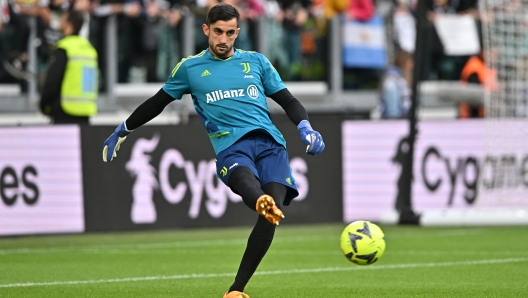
(310, 137)
(112, 144)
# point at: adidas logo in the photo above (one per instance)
(206, 73)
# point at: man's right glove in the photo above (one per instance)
(112, 144)
(310, 137)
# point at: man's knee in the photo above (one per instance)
(243, 182)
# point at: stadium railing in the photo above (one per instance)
(438, 98)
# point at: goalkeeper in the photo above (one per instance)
(229, 89)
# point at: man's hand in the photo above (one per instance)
(112, 144)
(310, 137)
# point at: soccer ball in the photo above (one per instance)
(362, 242)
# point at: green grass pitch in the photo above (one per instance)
(304, 261)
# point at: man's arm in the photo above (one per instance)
(293, 108)
(176, 86)
(51, 90)
(145, 112)
(148, 110)
(297, 114)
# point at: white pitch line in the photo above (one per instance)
(274, 272)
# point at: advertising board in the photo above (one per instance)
(460, 167)
(164, 177)
(40, 180)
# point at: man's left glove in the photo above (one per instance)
(112, 144)
(310, 137)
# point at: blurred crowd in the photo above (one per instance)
(150, 35)
(437, 63)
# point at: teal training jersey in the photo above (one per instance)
(229, 95)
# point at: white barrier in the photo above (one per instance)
(475, 217)
(10, 90)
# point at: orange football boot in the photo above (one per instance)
(267, 208)
(235, 294)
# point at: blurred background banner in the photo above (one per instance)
(165, 177)
(460, 171)
(364, 43)
(40, 180)
(458, 34)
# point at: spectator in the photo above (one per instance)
(84, 6)
(138, 43)
(4, 19)
(70, 92)
(395, 91)
(249, 11)
(168, 50)
(295, 16)
(200, 8)
(15, 62)
(276, 52)
(49, 25)
(102, 9)
(476, 71)
(436, 62)
(361, 10)
(332, 7)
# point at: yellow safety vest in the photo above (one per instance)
(80, 84)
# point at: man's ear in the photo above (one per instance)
(205, 29)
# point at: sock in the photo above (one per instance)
(258, 243)
(248, 186)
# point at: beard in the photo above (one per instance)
(220, 53)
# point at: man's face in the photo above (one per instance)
(222, 37)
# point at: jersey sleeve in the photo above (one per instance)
(271, 79)
(178, 82)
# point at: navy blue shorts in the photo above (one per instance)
(267, 159)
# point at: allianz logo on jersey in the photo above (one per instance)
(251, 91)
